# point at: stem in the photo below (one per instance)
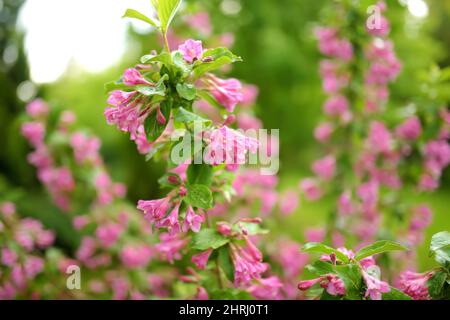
(166, 42)
(219, 275)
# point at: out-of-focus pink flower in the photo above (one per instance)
(331, 45)
(136, 256)
(289, 202)
(200, 21)
(380, 139)
(108, 234)
(267, 289)
(170, 246)
(311, 189)
(34, 132)
(247, 121)
(85, 148)
(325, 168)
(227, 92)
(191, 50)
(410, 129)
(314, 234)
(249, 95)
(336, 105)
(9, 257)
(247, 263)
(291, 259)
(37, 108)
(345, 204)
(323, 132)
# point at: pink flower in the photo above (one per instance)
(336, 106)
(201, 259)
(415, 284)
(247, 263)
(247, 121)
(201, 22)
(323, 132)
(249, 95)
(132, 77)
(108, 234)
(289, 202)
(9, 257)
(229, 146)
(192, 221)
(80, 222)
(8, 209)
(171, 221)
(375, 287)
(325, 168)
(170, 246)
(136, 256)
(291, 259)
(191, 50)
(331, 45)
(311, 189)
(227, 92)
(37, 108)
(33, 266)
(380, 139)
(154, 209)
(314, 234)
(428, 183)
(330, 282)
(267, 289)
(86, 249)
(345, 205)
(34, 132)
(382, 28)
(202, 294)
(85, 148)
(410, 129)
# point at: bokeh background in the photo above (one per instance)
(65, 50)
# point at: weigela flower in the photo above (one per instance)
(415, 284)
(375, 287)
(191, 50)
(227, 92)
(201, 259)
(325, 168)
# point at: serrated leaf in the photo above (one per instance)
(131, 13)
(208, 238)
(321, 248)
(199, 196)
(378, 247)
(187, 91)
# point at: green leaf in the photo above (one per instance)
(152, 127)
(159, 88)
(187, 91)
(436, 284)
(199, 196)
(110, 86)
(440, 247)
(395, 294)
(225, 262)
(185, 116)
(167, 10)
(230, 294)
(220, 52)
(180, 63)
(205, 67)
(164, 58)
(205, 95)
(131, 13)
(208, 238)
(251, 228)
(351, 276)
(378, 247)
(321, 248)
(164, 180)
(320, 268)
(200, 174)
